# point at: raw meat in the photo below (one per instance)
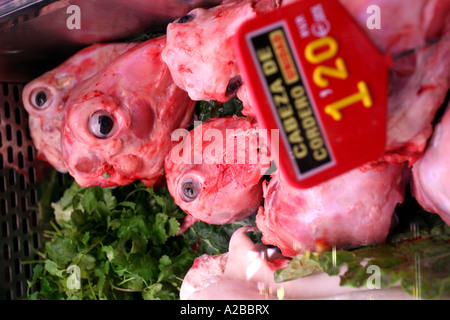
(201, 59)
(117, 124)
(200, 52)
(215, 173)
(356, 208)
(246, 273)
(431, 173)
(351, 210)
(195, 72)
(45, 97)
(418, 81)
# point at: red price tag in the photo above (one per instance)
(314, 75)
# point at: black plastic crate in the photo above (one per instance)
(18, 195)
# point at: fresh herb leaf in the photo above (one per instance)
(117, 243)
(214, 239)
(300, 266)
(419, 259)
(420, 265)
(123, 243)
(211, 109)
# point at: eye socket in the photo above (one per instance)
(233, 85)
(187, 18)
(102, 124)
(189, 190)
(40, 98)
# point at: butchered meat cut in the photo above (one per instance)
(200, 52)
(419, 81)
(215, 173)
(351, 210)
(431, 173)
(117, 125)
(45, 97)
(202, 61)
(356, 208)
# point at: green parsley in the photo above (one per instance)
(211, 109)
(117, 243)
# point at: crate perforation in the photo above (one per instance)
(19, 233)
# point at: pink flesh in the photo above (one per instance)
(200, 53)
(147, 106)
(45, 124)
(431, 173)
(418, 82)
(351, 210)
(356, 208)
(333, 214)
(230, 189)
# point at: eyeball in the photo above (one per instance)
(102, 124)
(40, 98)
(189, 190)
(233, 85)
